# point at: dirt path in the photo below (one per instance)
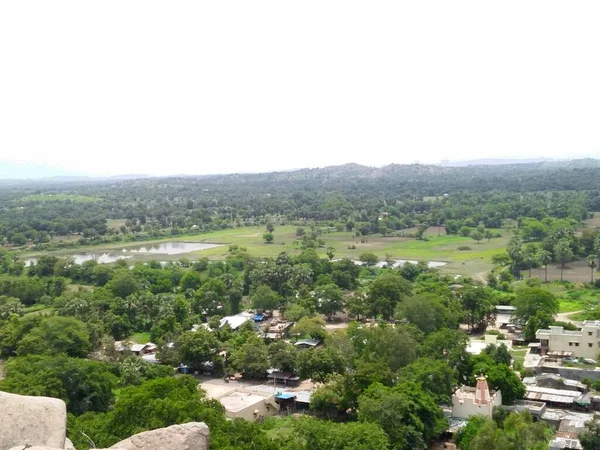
(564, 317)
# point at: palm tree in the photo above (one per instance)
(563, 253)
(545, 258)
(592, 261)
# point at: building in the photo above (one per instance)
(580, 344)
(303, 344)
(476, 346)
(472, 401)
(236, 321)
(136, 349)
(245, 403)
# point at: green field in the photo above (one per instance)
(140, 338)
(444, 248)
(60, 198)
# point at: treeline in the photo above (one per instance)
(366, 200)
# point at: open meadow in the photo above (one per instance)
(474, 259)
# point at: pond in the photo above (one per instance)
(159, 248)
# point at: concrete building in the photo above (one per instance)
(244, 402)
(476, 346)
(472, 401)
(580, 344)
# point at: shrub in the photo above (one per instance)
(464, 248)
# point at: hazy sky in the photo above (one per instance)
(151, 87)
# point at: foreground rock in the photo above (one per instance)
(189, 436)
(32, 421)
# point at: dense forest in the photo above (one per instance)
(380, 381)
(370, 200)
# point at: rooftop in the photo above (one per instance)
(237, 401)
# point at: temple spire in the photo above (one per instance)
(482, 392)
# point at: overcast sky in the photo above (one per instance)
(112, 87)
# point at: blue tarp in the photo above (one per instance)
(284, 396)
(259, 318)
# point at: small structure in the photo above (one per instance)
(248, 404)
(307, 343)
(236, 321)
(285, 378)
(278, 329)
(581, 344)
(471, 401)
(476, 346)
(137, 349)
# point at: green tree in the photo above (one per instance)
(563, 253)
(590, 438)
(531, 301)
(477, 236)
(265, 298)
(330, 299)
(479, 306)
(313, 327)
(54, 336)
(251, 359)
(282, 356)
(385, 292)
(409, 415)
(124, 284)
(84, 385)
(435, 377)
(427, 312)
(10, 306)
(330, 253)
(197, 348)
(270, 227)
(268, 238)
(318, 364)
(544, 258)
(368, 259)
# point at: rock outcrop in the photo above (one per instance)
(33, 421)
(40, 423)
(188, 436)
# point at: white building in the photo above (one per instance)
(476, 346)
(472, 401)
(580, 344)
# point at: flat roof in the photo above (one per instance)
(238, 401)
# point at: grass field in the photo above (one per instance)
(140, 338)
(60, 198)
(518, 354)
(476, 260)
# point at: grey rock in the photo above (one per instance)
(34, 421)
(69, 445)
(189, 436)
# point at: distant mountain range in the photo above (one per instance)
(492, 162)
(19, 172)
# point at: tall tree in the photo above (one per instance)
(563, 253)
(592, 261)
(544, 258)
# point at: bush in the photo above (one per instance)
(464, 248)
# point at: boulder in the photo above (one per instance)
(189, 436)
(33, 421)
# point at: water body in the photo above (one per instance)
(160, 248)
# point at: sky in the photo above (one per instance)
(198, 87)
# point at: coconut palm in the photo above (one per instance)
(545, 258)
(592, 262)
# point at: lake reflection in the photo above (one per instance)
(160, 248)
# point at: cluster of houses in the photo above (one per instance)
(560, 360)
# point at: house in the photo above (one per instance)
(584, 343)
(285, 378)
(245, 403)
(137, 349)
(278, 329)
(237, 320)
(303, 344)
(476, 346)
(471, 401)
